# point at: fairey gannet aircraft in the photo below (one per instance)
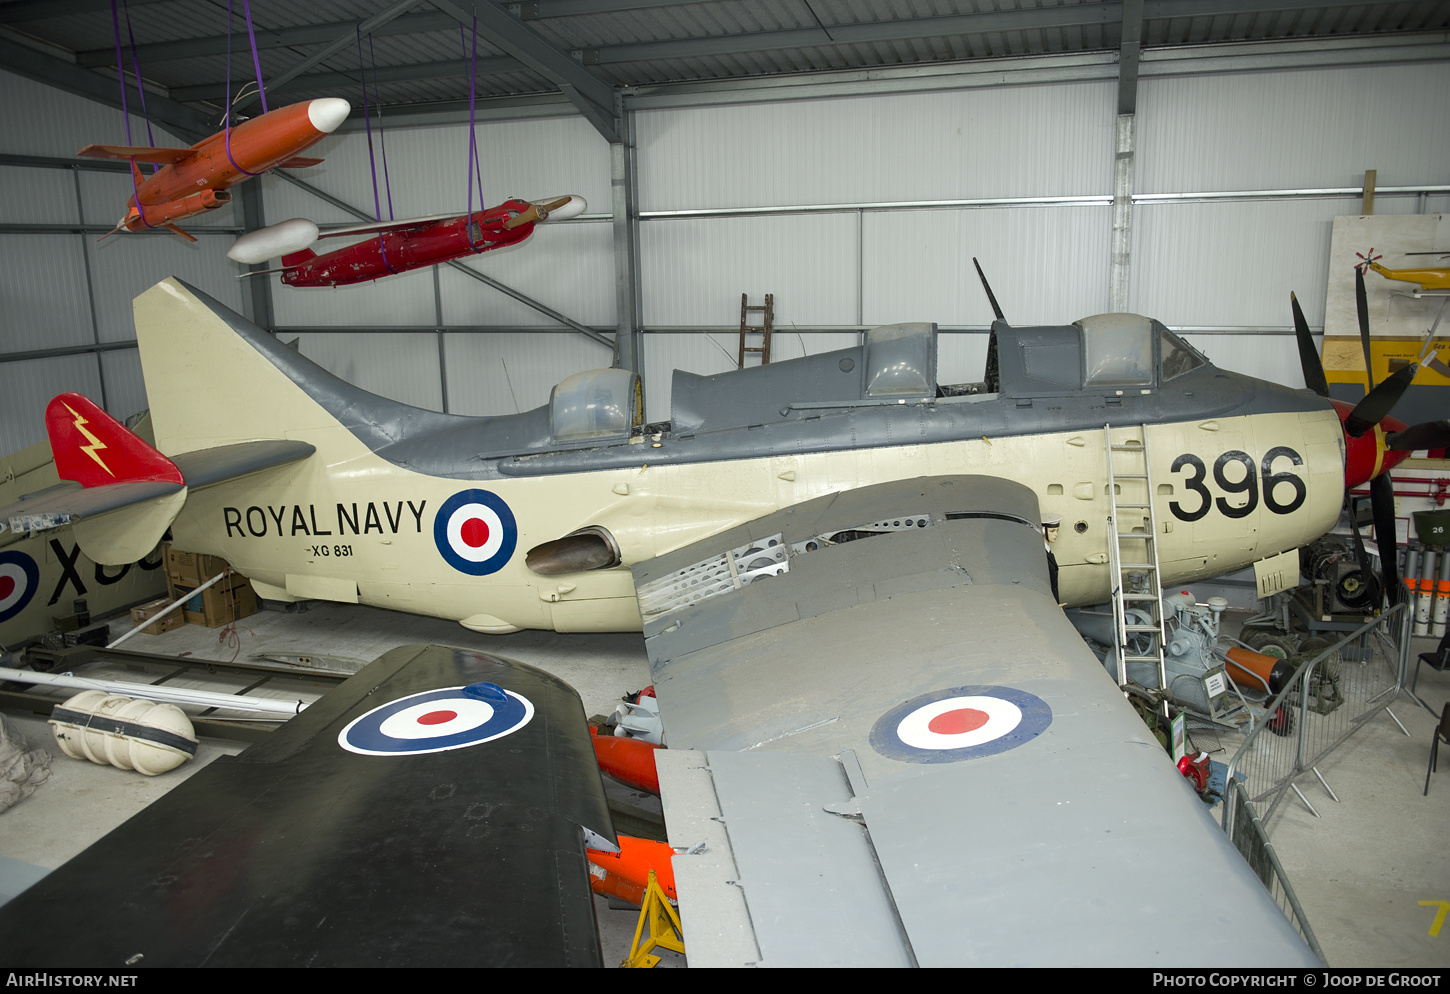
(896, 746)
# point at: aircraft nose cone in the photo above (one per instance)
(326, 113)
(576, 205)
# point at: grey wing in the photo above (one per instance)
(896, 750)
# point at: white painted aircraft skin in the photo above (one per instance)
(294, 531)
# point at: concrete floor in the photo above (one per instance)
(1360, 868)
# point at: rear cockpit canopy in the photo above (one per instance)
(901, 361)
(1112, 352)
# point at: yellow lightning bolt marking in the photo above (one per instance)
(90, 450)
(1439, 918)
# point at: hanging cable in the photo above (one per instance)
(382, 135)
(471, 167)
(256, 58)
(372, 164)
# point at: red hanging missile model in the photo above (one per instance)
(400, 246)
(193, 180)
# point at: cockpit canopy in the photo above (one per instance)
(597, 405)
(1105, 351)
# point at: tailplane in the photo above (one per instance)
(94, 449)
(122, 494)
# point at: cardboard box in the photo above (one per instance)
(191, 569)
(150, 609)
(219, 605)
(175, 590)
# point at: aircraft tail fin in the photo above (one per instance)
(95, 450)
(215, 379)
(128, 493)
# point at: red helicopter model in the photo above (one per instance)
(400, 246)
(193, 180)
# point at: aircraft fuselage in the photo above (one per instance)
(434, 514)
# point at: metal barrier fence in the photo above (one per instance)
(1249, 836)
(1326, 701)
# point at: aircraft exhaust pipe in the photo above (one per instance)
(179, 210)
(588, 548)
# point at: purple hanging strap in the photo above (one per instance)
(136, 68)
(372, 164)
(256, 60)
(125, 113)
(227, 121)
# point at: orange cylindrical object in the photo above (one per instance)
(257, 145)
(626, 873)
(1256, 670)
(630, 761)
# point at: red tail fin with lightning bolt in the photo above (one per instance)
(94, 449)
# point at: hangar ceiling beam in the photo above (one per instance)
(537, 10)
(338, 43)
(38, 10)
(981, 22)
(1125, 145)
(592, 96)
(185, 122)
(305, 34)
(383, 74)
(858, 34)
(518, 295)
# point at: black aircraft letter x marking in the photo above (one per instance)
(67, 563)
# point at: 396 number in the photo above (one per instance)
(1250, 480)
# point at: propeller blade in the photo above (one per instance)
(983, 277)
(1361, 305)
(1382, 499)
(1309, 359)
(1425, 435)
(1381, 400)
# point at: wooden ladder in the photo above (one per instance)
(763, 329)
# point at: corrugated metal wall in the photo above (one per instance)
(1232, 263)
(889, 246)
(1008, 142)
(48, 282)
